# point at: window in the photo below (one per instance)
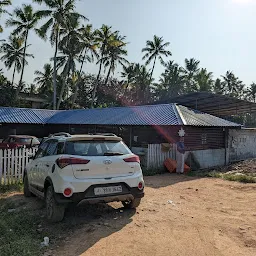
(96, 148)
(42, 150)
(52, 148)
(60, 148)
(204, 138)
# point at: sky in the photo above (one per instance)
(219, 33)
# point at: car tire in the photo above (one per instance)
(54, 211)
(26, 191)
(132, 204)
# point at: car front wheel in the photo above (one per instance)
(55, 212)
(132, 204)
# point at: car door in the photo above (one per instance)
(36, 165)
(47, 161)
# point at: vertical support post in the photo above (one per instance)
(226, 146)
(130, 141)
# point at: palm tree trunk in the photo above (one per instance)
(66, 75)
(106, 81)
(23, 61)
(151, 75)
(82, 64)
(96, 84)
(79, 79)
(13, 75)
(55, 72)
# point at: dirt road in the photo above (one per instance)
(178, 216)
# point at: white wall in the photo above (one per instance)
(242, 144)
(209, 157)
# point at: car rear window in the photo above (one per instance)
(28, 141)
(96, 148)
(24, 140)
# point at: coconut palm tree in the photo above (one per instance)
(191, 70)
(218, 86)
(44, 80)
(70, 54)
(23, 19)
(155, 49)
(232, 85)
(115, 55)
(128, 73)
(88, 53)
(171, 81)
(105, 38)
(59, 14)
(13, 54)
(204, 80)
(252, 92)
(3, 4)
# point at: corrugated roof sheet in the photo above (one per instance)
(162, 114)
(139, 115)
(197, 118)
(25, 115)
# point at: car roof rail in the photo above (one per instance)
(60, 134)
(103, 134)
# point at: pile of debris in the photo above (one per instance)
(247, 167)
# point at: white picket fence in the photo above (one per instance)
(156, 155)
(12, 164)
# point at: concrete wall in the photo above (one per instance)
(209, 157)
(242, 144)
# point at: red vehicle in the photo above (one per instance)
(19, 141)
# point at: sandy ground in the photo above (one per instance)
(179, 216)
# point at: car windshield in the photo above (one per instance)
(96, 148)
(24, 140)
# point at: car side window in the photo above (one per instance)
(12, 140)
(60, 148)
(5, 140)
(42, 150)
(52, 148)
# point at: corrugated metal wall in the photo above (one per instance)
(196, 138)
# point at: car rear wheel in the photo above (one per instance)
(26, 190)
(55, 212)
(132, 204)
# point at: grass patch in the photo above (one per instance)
(11, 188)
(239, 177)
(18, 231)
(244, 178)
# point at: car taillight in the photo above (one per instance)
(65, 161)
(133, 159)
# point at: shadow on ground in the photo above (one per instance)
(167, 179)
(94, 222)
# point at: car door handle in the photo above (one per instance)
(47, 165)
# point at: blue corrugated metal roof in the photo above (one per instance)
(163, 114)
(25, 115)
(138, 115)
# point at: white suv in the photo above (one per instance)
(74, 168)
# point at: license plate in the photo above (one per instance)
(107, 190)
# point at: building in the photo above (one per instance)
(139, 126)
